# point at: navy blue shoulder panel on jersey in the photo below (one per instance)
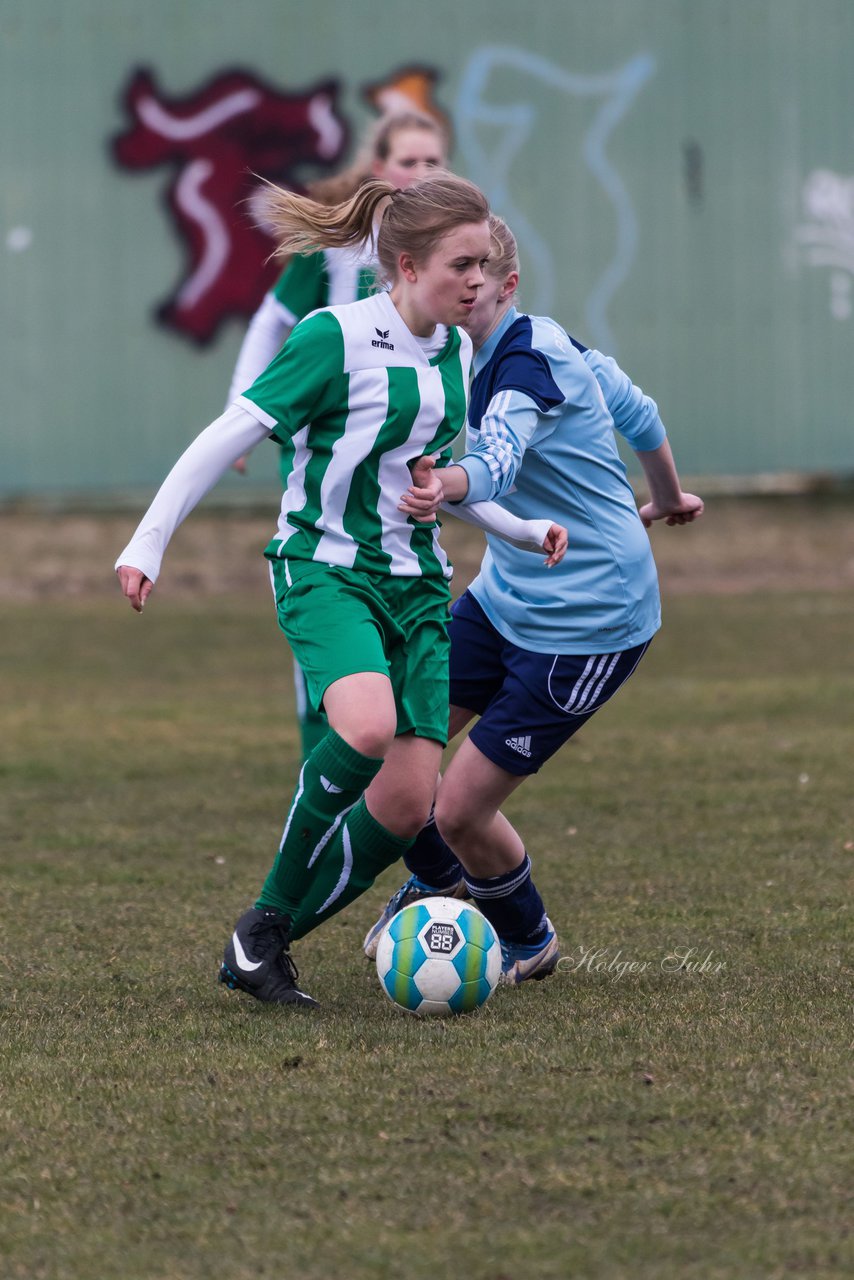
(516, 365)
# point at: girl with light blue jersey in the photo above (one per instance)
(535, 654)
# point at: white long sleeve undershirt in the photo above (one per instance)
(528, 535)
(229, 437)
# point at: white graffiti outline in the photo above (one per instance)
(191, 199)
(330, 131)
(492, 173)
(181, 128)
(828, 240)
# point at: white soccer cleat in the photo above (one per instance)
(519, 963)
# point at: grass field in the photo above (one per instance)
(632, 1116)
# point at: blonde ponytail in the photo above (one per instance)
(411, 221)
(302, 225)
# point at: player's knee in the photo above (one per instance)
(453, 821)
(361, 710)
(412, 821)
(403, 813)
(372, 740)
(370, 736)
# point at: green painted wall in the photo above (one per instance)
(680, 174)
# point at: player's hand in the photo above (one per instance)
(555, 544)
(135, 586)
(425, 495)
(688, 508)
(239, 465)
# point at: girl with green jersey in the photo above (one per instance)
(402, 148)
(358, 393)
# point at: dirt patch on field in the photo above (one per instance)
(740, 545)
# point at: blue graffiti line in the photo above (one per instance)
(516, 123)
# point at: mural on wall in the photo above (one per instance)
(511, 127)
(827, 234)
(219, 137)
(216, 140)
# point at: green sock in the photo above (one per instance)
(331, 781)
(360, 849)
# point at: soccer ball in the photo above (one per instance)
(439, 956)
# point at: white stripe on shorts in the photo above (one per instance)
(590, 684)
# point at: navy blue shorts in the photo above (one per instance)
(529, 704)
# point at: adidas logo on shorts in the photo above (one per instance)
(522, 745)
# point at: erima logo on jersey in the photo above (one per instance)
(522, 745)
(381, 340)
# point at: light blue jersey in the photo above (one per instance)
(541, 442)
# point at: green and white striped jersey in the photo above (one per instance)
(355, 396)
(327, 278)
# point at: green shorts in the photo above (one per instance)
(339, 622)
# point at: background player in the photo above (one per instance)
(401, 149)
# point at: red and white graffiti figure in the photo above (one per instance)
(218, 139)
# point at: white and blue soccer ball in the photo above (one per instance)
(439, 956)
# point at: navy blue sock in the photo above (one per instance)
(512, 905)
(430, 860)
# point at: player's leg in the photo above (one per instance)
(396, 805)
(434, 867)
(544, 700)
(497, 869)
(316, 606)
(362, 718)
(375, 833)
(476, 672)
(491, 677)
(468, 813)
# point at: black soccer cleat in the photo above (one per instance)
(257, 959)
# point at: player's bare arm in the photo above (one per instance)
(668, 501)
